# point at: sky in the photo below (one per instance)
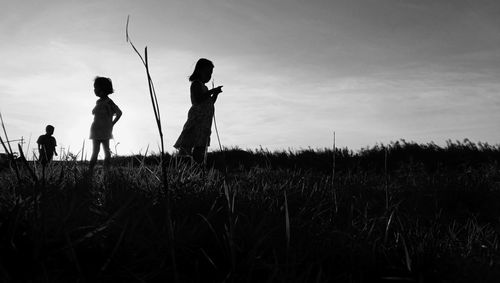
(293, 71)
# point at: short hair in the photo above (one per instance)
(49, 128)
(104, 84)
(201, 64)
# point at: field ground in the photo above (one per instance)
(397, 213)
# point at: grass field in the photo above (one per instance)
(402, 212)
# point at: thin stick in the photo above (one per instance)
(215, 122)
(28, 145)
(83, 150)
(217, 132)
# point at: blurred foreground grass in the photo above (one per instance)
(431, 214)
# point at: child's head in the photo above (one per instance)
(49, 129)
(202, 71)
(103, 86)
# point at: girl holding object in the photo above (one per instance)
(195, 136)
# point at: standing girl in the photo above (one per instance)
(195, 136)
(102, 127)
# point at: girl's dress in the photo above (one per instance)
(198, 127)
(102, 127)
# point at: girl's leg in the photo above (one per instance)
(199, 154)
(107, 153)
(96, 146)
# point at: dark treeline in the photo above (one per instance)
(456, 156)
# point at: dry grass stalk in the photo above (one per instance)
(156, 110)
(9, 151)
(334, 189)
(386, 180)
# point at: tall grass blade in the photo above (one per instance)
(287, 224)
(5, 133)
(334, 189)
(26, 164)
(156, 110)
(9, 151)
(154, 103)
(388, 225)
(386, 181)
(115, 249)
(208, 258)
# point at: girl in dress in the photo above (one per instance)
(102, 127)
(195, 137)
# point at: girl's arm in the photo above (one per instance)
(199, 93)
(215, 92)
(118, 114)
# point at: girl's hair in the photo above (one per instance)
(104, 84)
(200, 65)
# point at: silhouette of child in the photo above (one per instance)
(47, 145)
(102, 127)
(195, 136)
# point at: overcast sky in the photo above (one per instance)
(373, 71)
